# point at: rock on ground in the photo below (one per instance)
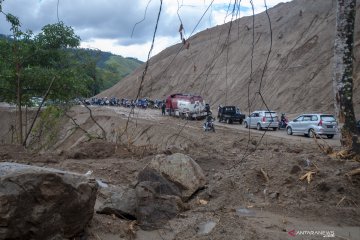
(43, 203)
(181, 170)
(119, 200)
(162, 187)
(155, 208)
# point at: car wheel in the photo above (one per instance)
(241, 121)
(311, 133)
(330, 136)
(228, 121)
(289, 131)
(258, 127)
(274, 129)
(246, 125)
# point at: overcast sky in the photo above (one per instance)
(108, 24)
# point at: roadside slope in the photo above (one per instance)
(218, 66)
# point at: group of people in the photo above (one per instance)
(129, 103)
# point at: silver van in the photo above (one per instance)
(308, 124)
(261, 120)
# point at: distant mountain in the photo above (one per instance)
(111, 68)
(2, 36)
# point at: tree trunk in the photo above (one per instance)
(342, 73)
(18, 93)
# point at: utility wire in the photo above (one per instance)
(146, 66)
(143, 19)
(246, 154)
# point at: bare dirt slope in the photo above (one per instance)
(240, 201)
(218, 66)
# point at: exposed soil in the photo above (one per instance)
(241, 202)
(221, 61)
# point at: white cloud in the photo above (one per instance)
(139, 51)
(108, 24)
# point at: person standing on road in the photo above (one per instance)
(207, 108)
(219, 110)
(163, 106)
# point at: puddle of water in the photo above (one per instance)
(245, 212)
(206, 227)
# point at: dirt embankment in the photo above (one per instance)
(254, 189)
(218, 66)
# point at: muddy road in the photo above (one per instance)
(155, 115)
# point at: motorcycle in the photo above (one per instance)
(283, 124)
(209, 126)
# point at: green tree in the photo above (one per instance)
(30, 64)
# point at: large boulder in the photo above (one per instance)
(163, 185)
(160, 184)
(181, 170)
(117, 200)
(43, 203)
(154, 207)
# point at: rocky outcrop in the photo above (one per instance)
(43, 203)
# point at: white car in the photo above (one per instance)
(308, 124)
(261, 120)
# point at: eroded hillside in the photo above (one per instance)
(219, 65)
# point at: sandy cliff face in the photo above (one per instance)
(218, 65)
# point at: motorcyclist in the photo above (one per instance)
(283, 120)
(208, 120)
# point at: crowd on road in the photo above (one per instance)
(128, 103)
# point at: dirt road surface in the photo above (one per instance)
(155, 115)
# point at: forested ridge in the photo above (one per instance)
(110, 68)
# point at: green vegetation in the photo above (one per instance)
(45, 134)
(110, 68)
(31, 63)
(115, 68)
(50, 64)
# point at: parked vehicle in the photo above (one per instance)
(158, 103)
(230, 114)
(262, 120)
(310, 124)
(186, 106)
(35, 101)
(142, 103)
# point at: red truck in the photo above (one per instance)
(186, 106)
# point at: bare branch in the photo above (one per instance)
(38, 111)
